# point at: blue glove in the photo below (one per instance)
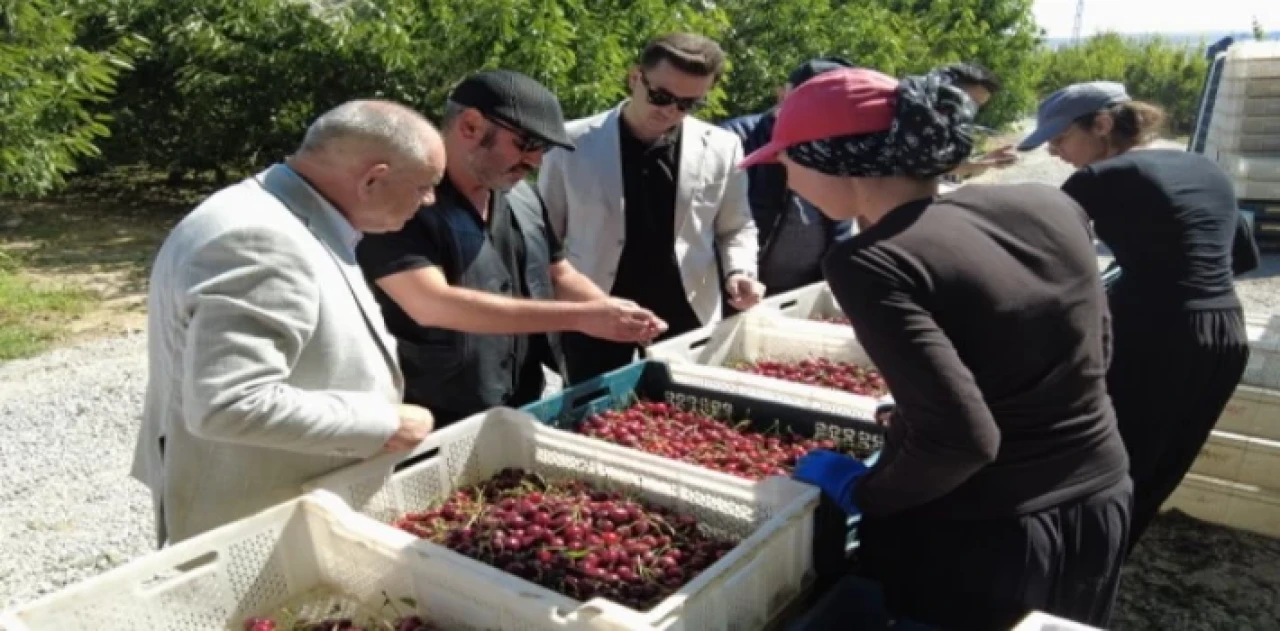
(835, 474)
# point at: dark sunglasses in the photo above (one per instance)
(662, 98)
(524, 141)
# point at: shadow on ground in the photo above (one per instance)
(1191, 575)
(101, 233)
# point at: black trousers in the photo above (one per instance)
(988, 574)
(1169, 380)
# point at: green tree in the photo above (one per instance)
(769, 37)
(47, 85)
(1259, 33)
(232, 84)
(1156, 70)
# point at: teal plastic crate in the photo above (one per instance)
(835, 534)
(651, 380)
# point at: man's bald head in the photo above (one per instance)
(376, 125)
(378, 161)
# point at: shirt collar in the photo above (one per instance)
(346, 232)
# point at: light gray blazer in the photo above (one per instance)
(584, 197)
(269, 361)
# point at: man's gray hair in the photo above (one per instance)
(384, 123)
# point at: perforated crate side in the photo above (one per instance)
(217, 579)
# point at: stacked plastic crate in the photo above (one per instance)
(1243, 128)
(1236, 480)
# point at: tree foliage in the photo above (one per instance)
(46, 87)
(230, 85)
(1155, 70)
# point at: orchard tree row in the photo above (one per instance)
(222, 86)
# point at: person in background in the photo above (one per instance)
(471, 284)
(1003, 485)
(1169, 217)
(793, 235)
(269, 364)
(651, 197)
(980, 84)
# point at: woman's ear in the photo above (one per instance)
(1103, 124)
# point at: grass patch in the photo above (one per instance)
(34, 315)
(74, 265)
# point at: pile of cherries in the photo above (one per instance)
(572, 538)
(823, 372)
(664, 430)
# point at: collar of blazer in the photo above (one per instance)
(313, 209)
(695, 140)
(305, 203)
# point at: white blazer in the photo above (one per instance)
(269, 361)
(584, 196)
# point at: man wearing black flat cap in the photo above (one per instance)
(476, 287)
(793, 235)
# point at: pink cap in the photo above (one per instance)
(836, 103)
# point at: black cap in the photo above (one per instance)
(815, 67)
(516, 99)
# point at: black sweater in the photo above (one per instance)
(984, 310)
(1170, 219)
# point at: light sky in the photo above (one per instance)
(1156, 16)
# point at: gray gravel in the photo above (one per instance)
(68, 420)
(68, 509)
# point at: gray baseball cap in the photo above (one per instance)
(1060, 109)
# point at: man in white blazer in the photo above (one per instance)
(269, 361)
(650, 199)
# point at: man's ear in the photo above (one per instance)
(372, 179)
(471, 124)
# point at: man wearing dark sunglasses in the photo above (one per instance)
(470, 286)
(652, 197)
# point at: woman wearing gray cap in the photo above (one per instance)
(1169, 217)
(1003, 483)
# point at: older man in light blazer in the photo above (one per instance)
(651, 197)
(269, 361)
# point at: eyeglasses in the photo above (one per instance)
(662, 98)
(524, 141)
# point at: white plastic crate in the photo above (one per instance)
(1263, 369)
(1040, 621)
(1247, 125)
(1241, 459)
(1253, 412)
(310, 555)
(1227, 503)
(1220, 139)
(702, 357)
(1237, 104)
(745, 589)
(1236, 89)
(1251, 168)
(1253, 60)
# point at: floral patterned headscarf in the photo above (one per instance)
(931, 133)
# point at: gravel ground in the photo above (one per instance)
(68, 511)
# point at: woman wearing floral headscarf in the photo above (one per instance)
(1003, 486)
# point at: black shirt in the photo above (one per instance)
(471, 253)
(1169, 218)
(648, 271)
(985, 312)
